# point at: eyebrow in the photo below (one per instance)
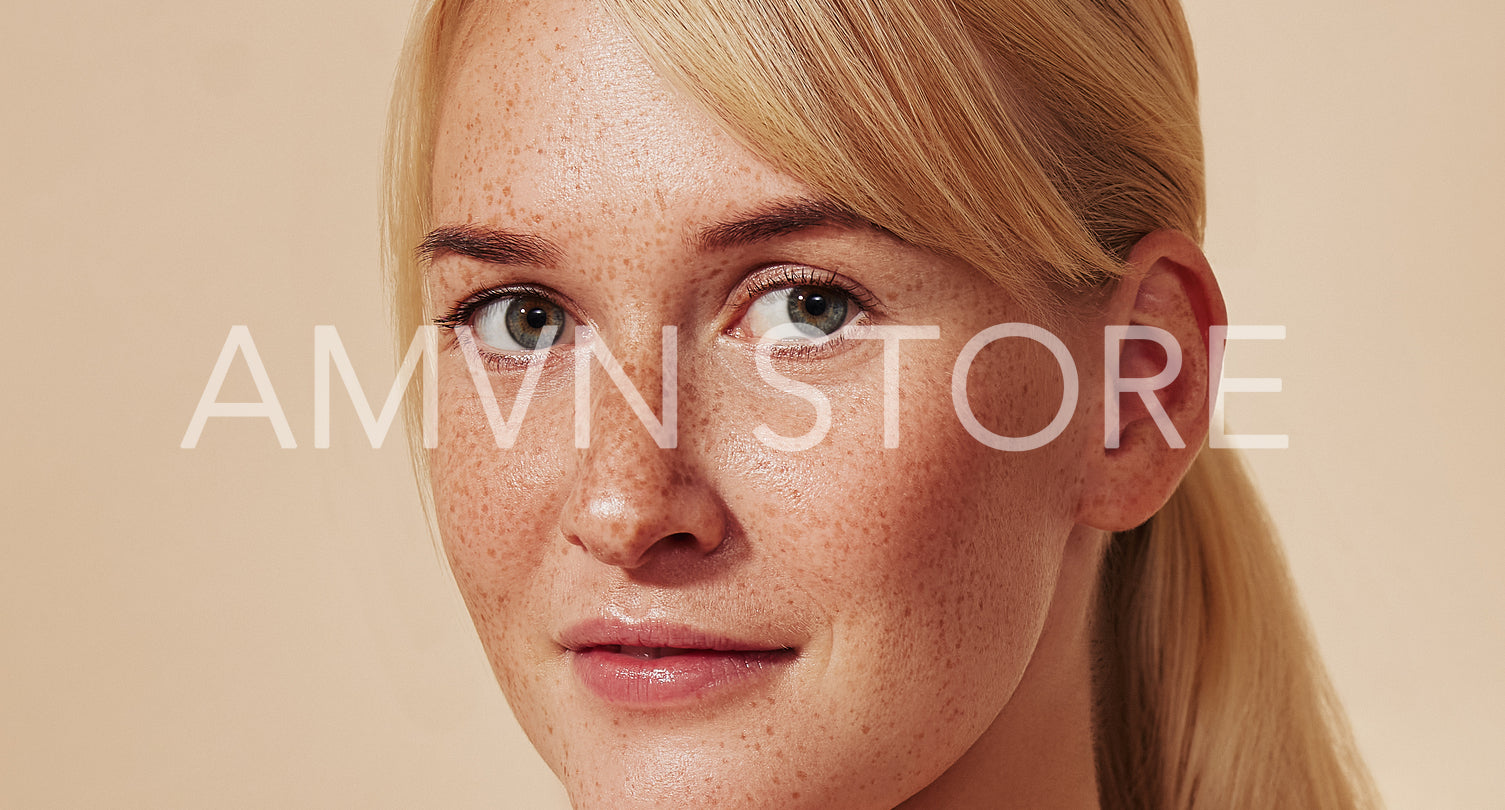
(765, 223)
(780, 218)
(491, 245)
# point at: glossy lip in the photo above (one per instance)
(704, 663)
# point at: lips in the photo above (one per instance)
(643, 652)
(655, 664)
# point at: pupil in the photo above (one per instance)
(537, 318)
(815, 305)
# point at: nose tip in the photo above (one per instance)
(625, 520)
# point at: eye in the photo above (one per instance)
(519, 323)
(813, 311)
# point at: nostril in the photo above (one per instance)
(684, 539)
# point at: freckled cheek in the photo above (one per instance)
(497, 508)
(942, 543)
(1015, 386)
(942, 522)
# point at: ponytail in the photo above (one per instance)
(1211, 695)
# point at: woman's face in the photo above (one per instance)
(725, 622)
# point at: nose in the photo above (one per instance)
(632, 500)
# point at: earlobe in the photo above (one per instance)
(1156, 383)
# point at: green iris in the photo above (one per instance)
(819, 307)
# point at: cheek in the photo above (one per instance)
(1016, 387)
(497, 508)
(927, 512)
(935, 560)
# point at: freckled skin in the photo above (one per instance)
(938, 591)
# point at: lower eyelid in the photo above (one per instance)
(815, 350)
(509, 362)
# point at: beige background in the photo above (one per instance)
(243, 626)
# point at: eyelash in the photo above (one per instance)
(461, 313)
(801, 276)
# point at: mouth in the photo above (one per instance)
(644, 653)
(649, 665)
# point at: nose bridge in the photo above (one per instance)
(616, 386)
(629, 495)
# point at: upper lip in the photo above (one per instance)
(600, 632)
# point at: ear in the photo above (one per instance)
(1158, 412)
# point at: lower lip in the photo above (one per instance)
(696, 675)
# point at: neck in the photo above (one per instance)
(1038, 753)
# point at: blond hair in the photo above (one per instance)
(1037, 140)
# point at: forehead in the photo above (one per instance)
(551, 112)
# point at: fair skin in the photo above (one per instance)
(906, 626)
